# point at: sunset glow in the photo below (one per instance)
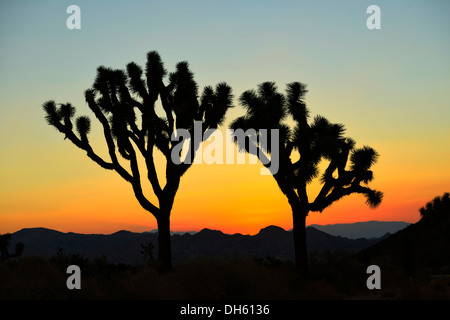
(389, 88)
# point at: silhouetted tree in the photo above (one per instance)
(4, 244)
(303, 145)
(147, 253)
(124, 103)
(437, 209)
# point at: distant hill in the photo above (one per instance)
(369, 229)
(421, 247)
(125, 246)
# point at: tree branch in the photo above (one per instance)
(336, 194)
(84, 145)
(137, 186)
(108, 137)
(151, 170)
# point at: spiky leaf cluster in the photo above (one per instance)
(437, 209)
(315, 141)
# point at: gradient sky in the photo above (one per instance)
(389, 87)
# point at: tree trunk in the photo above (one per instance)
(164, 245)
(163, 219)
(299, 230)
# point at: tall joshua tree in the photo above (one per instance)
(303, 148)
(124, 103)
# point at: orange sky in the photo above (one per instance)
(232, 198)
(50, 183)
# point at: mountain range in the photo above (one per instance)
(125, 247)
(422, 247)
(369, 229)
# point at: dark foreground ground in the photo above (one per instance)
(335, 277)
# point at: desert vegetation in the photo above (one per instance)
(334, 276)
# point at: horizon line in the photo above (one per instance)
(205, 228)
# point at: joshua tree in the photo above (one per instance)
(147, 253)
(125, 105)
(304, 147)
(437, 209)
(4, 244)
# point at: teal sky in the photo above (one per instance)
(323, 43)
(390, 87)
